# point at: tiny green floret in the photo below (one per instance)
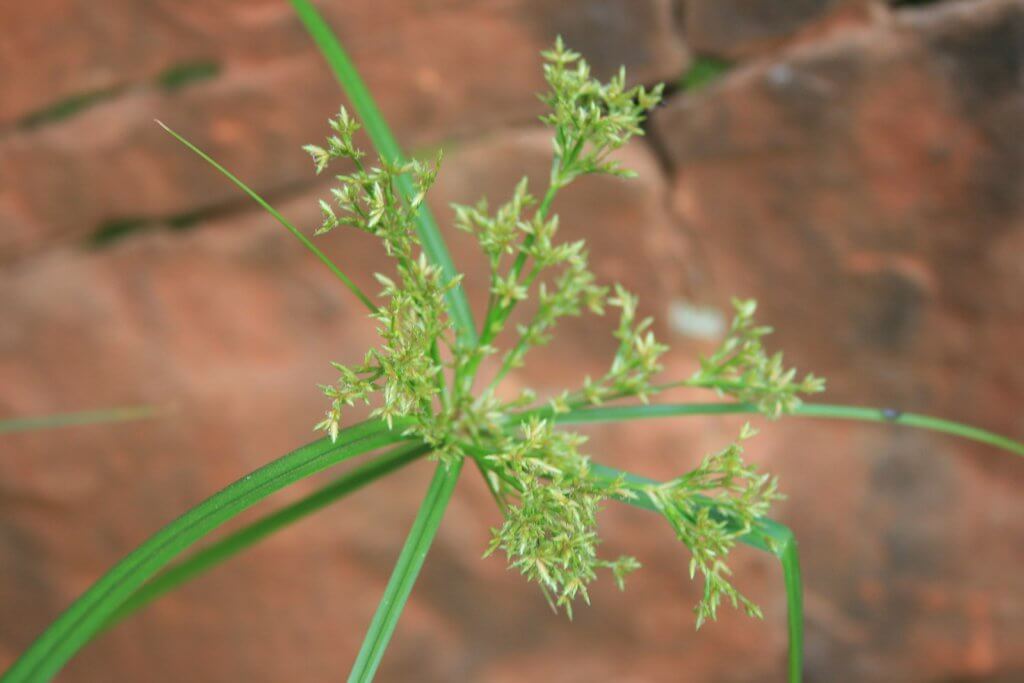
(423, 375)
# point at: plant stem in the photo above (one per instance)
(893, 416)
(410, 561)
(790, 558)
(812, 410)
(496, 313)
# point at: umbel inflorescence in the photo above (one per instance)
(427, 376)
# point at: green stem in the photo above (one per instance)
(410, 561)
(496, 313)
(893, 416)
(790, 559)
(542, 211)
(506, 367)
(812, 410)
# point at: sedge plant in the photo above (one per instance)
(435, 387)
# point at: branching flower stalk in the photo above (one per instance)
(549, 496)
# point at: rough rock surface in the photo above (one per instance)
(271, 94)
(741, 29)
(868, 189)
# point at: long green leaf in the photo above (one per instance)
(20, 424)
(414, 552)
(891, 416)
(226, 548)
(72, 629)
(352, 287)
(816, 410)
(769, 536)
(380, 134)
(422, 533)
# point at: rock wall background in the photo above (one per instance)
(856, 166)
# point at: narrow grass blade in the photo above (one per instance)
(380, 134)
(213, 555)
(87, 417)
(769, 536)
(815, 410)
(77, 625)
(383, 140)
(352, 287)
(414, 552)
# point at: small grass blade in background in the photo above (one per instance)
(380, 134)
(212, 555)
(87, 417)
(352, 287)
(414, 552)
(90, 612)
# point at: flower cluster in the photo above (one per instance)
(711, 508)
(544, 484)
(550, 534)
(591, 119)
(370, 199)
(742, 368)
(406, 369)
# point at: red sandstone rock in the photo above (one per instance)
(866, 189)
(111, 163)
(740, 29)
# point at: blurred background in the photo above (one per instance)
(857, 166)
